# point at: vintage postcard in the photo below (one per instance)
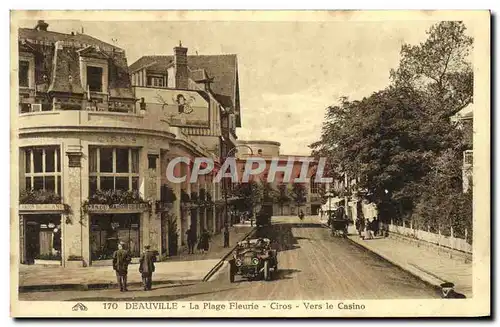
(250, 164)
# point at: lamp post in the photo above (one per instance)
(224, 185)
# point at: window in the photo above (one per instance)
(113, 169)
(43, 169)
(157, 81)
(24, 68)
(94, 78)
(315, 187)
(152, 161)
(468, 158)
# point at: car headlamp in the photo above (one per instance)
(255, 261)
(238, 262)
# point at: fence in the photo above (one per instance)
(439, 239)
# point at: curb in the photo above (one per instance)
(432, 281)
(93, 286)
(221, 262)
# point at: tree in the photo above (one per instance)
(283, 196)
(439, 66)
(393, 138)
(270, 194)
(299, 194)
(250, 195)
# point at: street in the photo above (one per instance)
(312, 266)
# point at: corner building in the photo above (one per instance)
(93, 157)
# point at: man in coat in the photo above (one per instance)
(448, 292)
(191, 239)
(121, 260)
(226, 236)
(147, 267)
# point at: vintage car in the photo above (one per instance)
(253, 259)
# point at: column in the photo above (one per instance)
(75, 225)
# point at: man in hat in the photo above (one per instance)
(449, 293)
(121, 260)
(147, 267)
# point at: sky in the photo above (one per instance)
(289, 72)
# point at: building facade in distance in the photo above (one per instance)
(270, 151)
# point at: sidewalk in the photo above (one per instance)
(425, 262)
(184, 268)
(430, 266)
(216, 249)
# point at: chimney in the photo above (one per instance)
(41, 26)
(181, 67)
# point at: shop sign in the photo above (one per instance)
(107, 207)
(41, 207)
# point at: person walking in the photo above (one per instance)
(121, 260)
(367, 229)
(191, 239)
(147, 267)
(376, 226)
(362, 227)
(226, 236)
(204, 241)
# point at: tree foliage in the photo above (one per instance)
(299, 194)
(400, 141)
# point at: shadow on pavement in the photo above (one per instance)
(281, 236)
(285, 274)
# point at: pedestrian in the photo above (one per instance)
(121, 260)
(376, 226)
(372, 228)
(147, 267)
(191, 239)
(367, 229)
(204, 241)
(362, 226)
(226, 236)
(448, 292)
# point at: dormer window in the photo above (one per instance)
(24, 68)
(156, 81)
(94, 78)
(93, 71)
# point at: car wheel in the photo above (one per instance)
(267, 275)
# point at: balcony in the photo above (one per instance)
(36, 119)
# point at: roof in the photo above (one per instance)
(259, 142)
(223, 68)
(53, 37)
(57, 58)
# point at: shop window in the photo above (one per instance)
(113, 169)
(24, 68)
(42, 237)
(43, 169)
(94, 78)
(108, 230)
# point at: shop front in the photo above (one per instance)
(109, 230)
(110, 225)
(40, 234)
